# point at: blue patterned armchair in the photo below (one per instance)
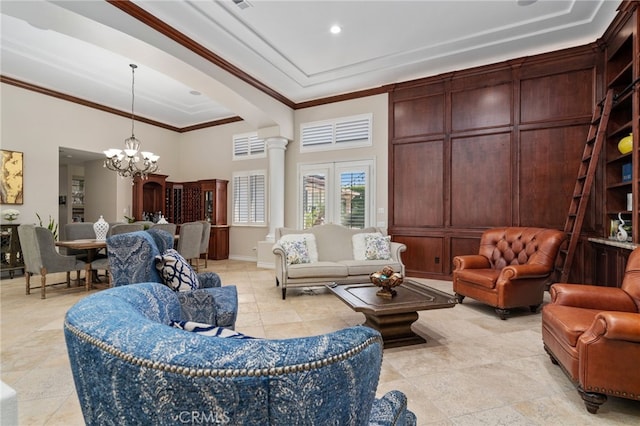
(131, 260)
(131, 367)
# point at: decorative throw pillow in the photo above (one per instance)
(309, 239)
(359, 244)
(176, 272)
(378, 247)
(296, 251)
(208, 330)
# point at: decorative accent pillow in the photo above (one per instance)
(296, 251)
(208, 330)
(310, 240)
(378, 247)
(176, 272)
(360, 245)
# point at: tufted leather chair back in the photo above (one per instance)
(631, 280)
(520, 246)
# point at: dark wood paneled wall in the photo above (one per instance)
(492, 146)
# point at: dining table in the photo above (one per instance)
(91, 246)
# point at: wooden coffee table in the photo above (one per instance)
(393, 317)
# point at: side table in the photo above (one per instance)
(10, 249)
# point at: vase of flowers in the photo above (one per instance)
(10, 214)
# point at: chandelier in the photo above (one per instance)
(127, 162)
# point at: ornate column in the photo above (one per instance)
(276, 147)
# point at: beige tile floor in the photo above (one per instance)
(474, 370)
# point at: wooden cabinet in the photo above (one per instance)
(219, 242)
(148, 196)
(610, 262)
(197, 200)
(214, 201)
(201, 200)
(11, 251)
(621, 168)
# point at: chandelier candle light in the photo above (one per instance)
(125, 163)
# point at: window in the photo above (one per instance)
(337, 193)
(347, 132)
(248, 146)
(249, 198)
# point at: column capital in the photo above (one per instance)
(276, 142)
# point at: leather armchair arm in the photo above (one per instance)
(471, 261)
(514, 272)
(614, 326)
(592, 297)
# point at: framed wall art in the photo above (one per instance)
(11, 191)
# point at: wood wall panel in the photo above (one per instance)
(512, 136)
(418, 184)
(481, 165)
(557, 96)
(419, 117)
(482, 108)
(549, 161)
(461, 246)
(426, 254)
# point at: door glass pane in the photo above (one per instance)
(353, 199)
(313, 199)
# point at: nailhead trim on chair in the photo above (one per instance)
(208, 372)
(614, 392)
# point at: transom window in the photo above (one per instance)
(248, 145)
(346, 132)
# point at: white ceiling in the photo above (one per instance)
(84, 48)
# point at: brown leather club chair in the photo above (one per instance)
(511, 269)
(593, 332)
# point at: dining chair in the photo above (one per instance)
(169, 227)
(77, 231)
(204, 242)
(189, 242)
(121, 228)
(41, 257)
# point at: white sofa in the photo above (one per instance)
(331, 256)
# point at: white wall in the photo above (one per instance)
(38, 125)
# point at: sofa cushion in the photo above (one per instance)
(176, 272)
(208, 330)
(367, 267)
(377, 247)
(318, 269)
(568, 322)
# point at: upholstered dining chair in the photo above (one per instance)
(593, 333)
(41, 257)
(204, 242)
(511, 268)
(77, 231)
(132, 260)
(121, 228)
(189, 242)
(169, 227)
(131, 366)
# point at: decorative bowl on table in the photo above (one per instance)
(387, 280)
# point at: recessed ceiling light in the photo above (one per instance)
(335, 29)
